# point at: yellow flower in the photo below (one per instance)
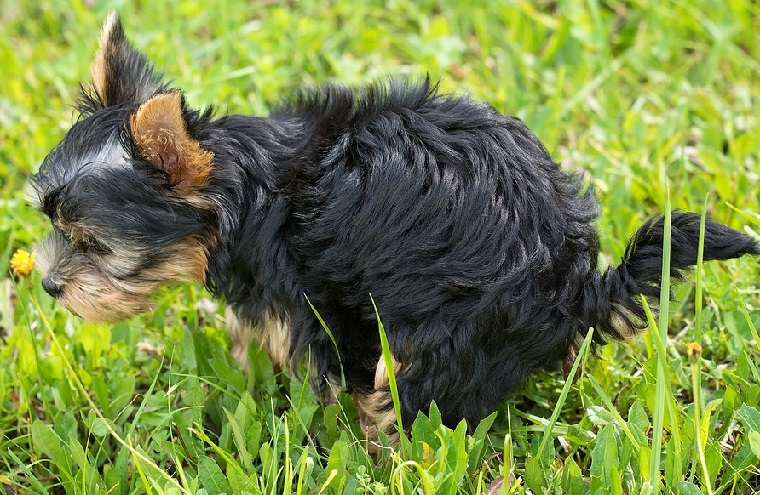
(693, 349)
(22, 263)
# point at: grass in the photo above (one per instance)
(639, 96)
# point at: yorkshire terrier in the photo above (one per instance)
(478, 250)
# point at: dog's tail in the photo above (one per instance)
(611, 301)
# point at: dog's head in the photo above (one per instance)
(124, 190)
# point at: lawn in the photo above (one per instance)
(657, 103)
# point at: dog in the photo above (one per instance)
(479, 252)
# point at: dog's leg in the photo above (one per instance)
(272, 334)
(463, 379)
(375, 408)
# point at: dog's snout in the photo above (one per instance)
(51, 286)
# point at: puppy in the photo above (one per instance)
(480, 253)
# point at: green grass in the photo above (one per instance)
(640, 96)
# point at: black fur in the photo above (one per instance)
(480, 253)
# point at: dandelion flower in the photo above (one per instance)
(22, 263)
(693, 349)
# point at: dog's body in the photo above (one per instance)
(479, 252)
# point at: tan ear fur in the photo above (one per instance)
(119, 73)
(99, 67)
(159, 131)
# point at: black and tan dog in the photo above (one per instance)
(480, 253)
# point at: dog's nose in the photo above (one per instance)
(51, 287)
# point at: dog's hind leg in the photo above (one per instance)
(436, 366)
(375, 408)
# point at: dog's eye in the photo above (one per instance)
(92, 245)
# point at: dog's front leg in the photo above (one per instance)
(272, 333)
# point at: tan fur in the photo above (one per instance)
(90, 292)
(376, 408)
(624, 322)
(273, 335)
(568, 362)
(375, 414)
(381, 372)
(190, 265)
(99, 67)
(158, 128)
(95, 299)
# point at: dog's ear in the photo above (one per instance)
(119, 73)
(159, 131)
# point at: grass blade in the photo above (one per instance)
(388, 359)
(582, 352)
(660, 333)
